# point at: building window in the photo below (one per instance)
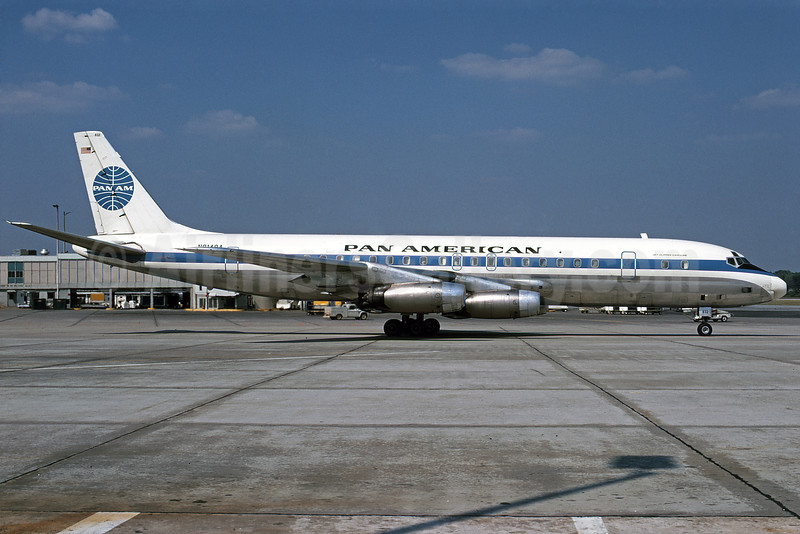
(16, 272)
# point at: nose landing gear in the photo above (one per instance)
(704, 329)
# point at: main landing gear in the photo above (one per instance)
(409, 326)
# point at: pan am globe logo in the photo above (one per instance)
(113, 188)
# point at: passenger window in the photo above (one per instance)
(456, 260)
(507, 262)
(474, 261)
(576, 262)
(684, 264)
(747, 290)
(373, 259)
(323, 256)
(356, 258)
(389, 260)
(491, 261)
(542, 262)
(406, 260)
(560, 262)
(595, 263)
(442, 260)
(665, 264)
(423, 260)
(340, 257)
(526, 262)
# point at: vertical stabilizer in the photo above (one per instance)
(120, 205)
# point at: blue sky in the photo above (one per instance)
(574, 118)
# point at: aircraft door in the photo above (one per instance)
(628, 265)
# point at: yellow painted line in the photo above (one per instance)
(99, 523)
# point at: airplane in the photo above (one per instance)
(413, 276)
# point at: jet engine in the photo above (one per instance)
(433, 297)
(509, 304)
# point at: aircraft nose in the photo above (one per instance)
(778, 288)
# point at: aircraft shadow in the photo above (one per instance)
(644, 466)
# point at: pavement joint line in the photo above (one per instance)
(183, 412)
(99, 523)
(66, 367)
(664, 429)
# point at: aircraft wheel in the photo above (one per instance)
(431, 327)
(415, 328)
(704, 329)
(393, 328)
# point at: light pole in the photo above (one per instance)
(58, 244)
(64, 228)
(58, 222)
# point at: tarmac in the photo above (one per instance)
(174, 421)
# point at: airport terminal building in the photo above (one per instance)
(68, 280)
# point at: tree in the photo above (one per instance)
(792, 282)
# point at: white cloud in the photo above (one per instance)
(225, 121)
(786, 97)
(53, 98)
(512, 136)
(644, 76)
(49, 24)
(556, 66)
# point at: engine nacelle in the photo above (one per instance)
(509, 304)
(433, 297)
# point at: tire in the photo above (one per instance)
(723, 318)
(431, 327)
(363, 316)
(393, 328)
(704, 329)
(339, 317)
(415, 328)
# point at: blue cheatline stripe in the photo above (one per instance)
(501, 262)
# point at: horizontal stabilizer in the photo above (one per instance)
(93, 246)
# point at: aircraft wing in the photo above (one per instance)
(93, 246)
(346, 273)
(292, 263)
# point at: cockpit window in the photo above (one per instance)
(740, 262)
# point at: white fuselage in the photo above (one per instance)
(571, 271)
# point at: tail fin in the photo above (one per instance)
(120, 205)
